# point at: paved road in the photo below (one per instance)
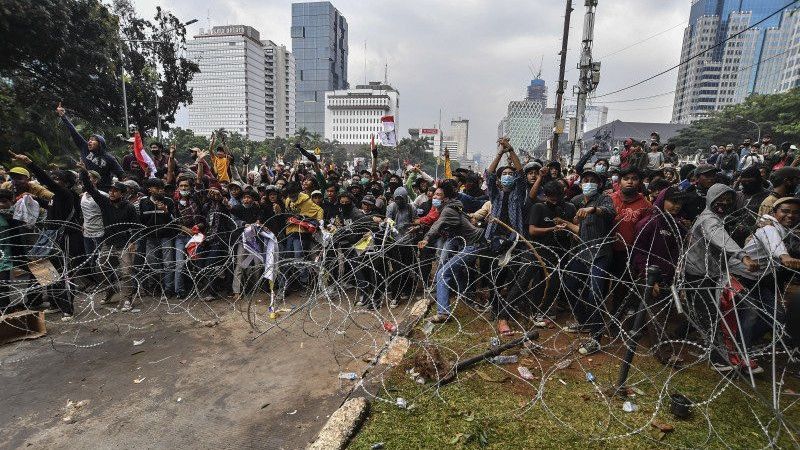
(201, 387)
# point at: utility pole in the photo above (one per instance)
(590, 76)
(558, 125)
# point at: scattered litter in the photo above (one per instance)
(137, 352)
(264, 405)
(139, 380)
(377, 446)
(401, 403)
(183, 361)
(292, 413)
(662, 427)
(162, 359)
(340, 332)
(494, 342)
(389, 327)
(561, 365)
(347, 375)
(637, 391)
(427, 328)
(135, 342)
(562, 381)
(590, 377)
(629, 407)
(301, 344)
(504, 359)
(71, 409)
(179, 399)
(136, 310)
(525, 373)
(210, 323)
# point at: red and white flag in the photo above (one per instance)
(144, 160)
(389, 134)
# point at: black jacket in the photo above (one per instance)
(119, 219)
(157, 221)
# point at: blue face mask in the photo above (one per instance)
(437, 203)
(589, 189)
(600, 168)
(507, 180)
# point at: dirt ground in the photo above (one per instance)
(198, 386)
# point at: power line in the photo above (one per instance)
(632, 99)
(615, 52)
(698, 54)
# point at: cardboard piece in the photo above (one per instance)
(20, 325)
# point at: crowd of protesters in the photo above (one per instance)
(533, 239)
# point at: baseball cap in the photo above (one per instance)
(20, 171)
(704, 168)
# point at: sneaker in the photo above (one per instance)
(126, 306)
(66, 318)
(753, 369)
(723, 366)
(589, 347)
(393, 304)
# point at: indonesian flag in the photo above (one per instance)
(195, 241)
(389, 134)
(144, 160)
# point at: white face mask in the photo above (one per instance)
(614, 178)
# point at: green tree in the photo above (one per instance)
(776, 114)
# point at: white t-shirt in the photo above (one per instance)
(765, 247)
(92, 216)
(655, 160)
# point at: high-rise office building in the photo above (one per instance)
(319, 44)
(244, 85)
(280, 85)
(523, 125)
(537, 92)
(353, 116)
(759, 60)
(594, 116)
(459, 132)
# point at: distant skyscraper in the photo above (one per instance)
(459, 130)
(537, 92)
(279, 67)
(319, 44)
(353, 116)
(523, 125)
(760, 60)
(245, 85)
(594, 117)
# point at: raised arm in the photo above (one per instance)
(76, 137)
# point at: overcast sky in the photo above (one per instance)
(471, 57)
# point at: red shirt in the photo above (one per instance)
(628, 213)
(430, 218)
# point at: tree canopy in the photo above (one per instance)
(776, 114)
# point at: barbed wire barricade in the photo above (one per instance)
(353, 285)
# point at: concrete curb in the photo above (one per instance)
(342, 425)
(344, 422)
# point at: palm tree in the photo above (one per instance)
(301, 135)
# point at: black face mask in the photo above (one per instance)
(629, 191)
(751, 187)
(401, 201)
(377, 191)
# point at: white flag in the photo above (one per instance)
(389, 135)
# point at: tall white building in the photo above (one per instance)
(595, 116)
(280, 106)
(523, 125)
(763, 59)
(243, 86)
(353, 116)
(459, 132)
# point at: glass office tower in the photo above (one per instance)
(319, 45)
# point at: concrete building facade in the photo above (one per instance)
(353, 116)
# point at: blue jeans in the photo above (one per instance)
(452, 275)
(160, 256)
(588, 306)
(297, 247)
(180, 261)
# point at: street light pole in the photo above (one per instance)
(124, 91)
(758, 127)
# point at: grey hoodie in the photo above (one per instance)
(709, 244)
(455, 222)
(402, 215)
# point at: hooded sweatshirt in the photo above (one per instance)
(402, 215)
(765, 247)
(710, 246)
(100, 160)
(455, 222)
(659, 241)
